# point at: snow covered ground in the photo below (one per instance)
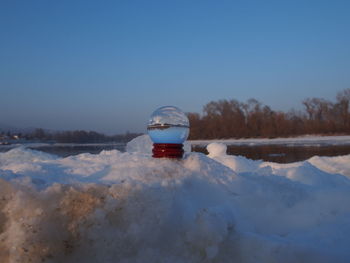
(130, 207)
(294, 141)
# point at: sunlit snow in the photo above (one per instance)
(130, 207)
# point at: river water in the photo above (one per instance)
(272, 153)
(283, 154)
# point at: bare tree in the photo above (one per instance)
(231, 118)
(343, 99)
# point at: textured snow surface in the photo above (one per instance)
(129, 207)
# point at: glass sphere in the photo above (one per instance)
(168, 124)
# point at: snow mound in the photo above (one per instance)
(141, 144)
(129, 207)
(239, 164)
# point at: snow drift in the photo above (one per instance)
(129, 207)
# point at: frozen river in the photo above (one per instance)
(280, 150)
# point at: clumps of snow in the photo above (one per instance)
(216, 149)
(130, 207)
(239, 164)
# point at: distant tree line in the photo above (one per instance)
(234, 119)
(78, 136)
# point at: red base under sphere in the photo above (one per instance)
(167, 150)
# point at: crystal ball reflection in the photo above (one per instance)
(168, 124)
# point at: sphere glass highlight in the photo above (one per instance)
(168, 124)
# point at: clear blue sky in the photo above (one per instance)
(106, 65)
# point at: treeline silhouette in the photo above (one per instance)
(226, 119)
(78, 136)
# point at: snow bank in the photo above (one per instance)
(129, 207)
